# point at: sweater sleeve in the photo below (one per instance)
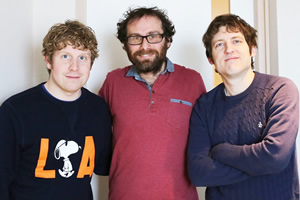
(274, 152)
(104, 91)
(9, 149)
(103, 160)
(202, 168)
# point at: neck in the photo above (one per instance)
(238, 85)
(150, 78)
(61, 95)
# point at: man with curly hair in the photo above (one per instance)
(151, 102)
(55, 135)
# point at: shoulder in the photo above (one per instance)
(186, 71)
(30, 95)
(209, 102)
(190, 78)
(115, 78)
(275, 83)
(23, 102)
(94, 105)
(187, 75)
(214, 95)
(271, 80)
(119, 72)
(92, 98)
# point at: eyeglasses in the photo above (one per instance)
(151, 39)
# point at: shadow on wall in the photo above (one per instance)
(39, 72)
(100, 187)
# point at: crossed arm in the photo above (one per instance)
(225, 163)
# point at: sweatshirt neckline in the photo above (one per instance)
(244, 93)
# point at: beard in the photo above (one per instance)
(147, 65)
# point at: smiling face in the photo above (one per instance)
(231, 54)
(148, 58)
(70, 70)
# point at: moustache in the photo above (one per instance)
(143, 52)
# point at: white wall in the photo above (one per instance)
(288, 39)
(16, 47)
(244, 9)
(288, 32)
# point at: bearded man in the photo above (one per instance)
(151, 103)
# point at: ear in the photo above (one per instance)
(168, 42)
(253, 51)
(210, 61)
(49, 66)
(125, 47)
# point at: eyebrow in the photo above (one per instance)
(232, 38)
(89, 54)
(149, 33)
(238, 37)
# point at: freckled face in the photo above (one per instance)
(70, 70)
(231, 54)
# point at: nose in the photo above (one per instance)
(228, 48)
(145, 44)
(74, 66)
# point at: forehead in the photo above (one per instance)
(74, 50)
(225, 33)
(144, 25)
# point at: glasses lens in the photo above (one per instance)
(151, 39)
(134, 40)
(154, 38)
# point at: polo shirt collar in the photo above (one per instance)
(132, 71)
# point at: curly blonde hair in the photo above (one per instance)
(72, 32)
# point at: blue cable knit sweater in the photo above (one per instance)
(243, 147)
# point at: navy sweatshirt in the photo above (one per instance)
(243, 147)
(50, 148)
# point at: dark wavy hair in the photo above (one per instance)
(72, 32)
(133, 14)
(233, 23)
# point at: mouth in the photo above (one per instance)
(231, 58)
(145, 54)
(72, 77)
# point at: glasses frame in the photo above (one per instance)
(146, 36)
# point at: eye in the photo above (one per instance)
(65, 56)
(82, 58)
(152, 36)
(133, 38)
(237, 41)
(219, 45)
